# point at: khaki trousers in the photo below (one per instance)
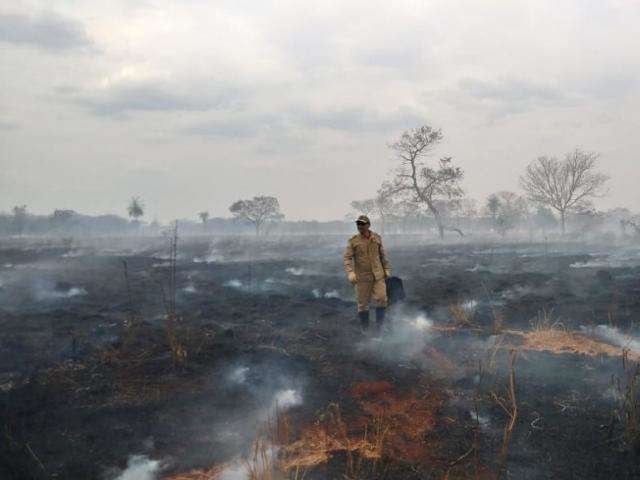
(371, 289)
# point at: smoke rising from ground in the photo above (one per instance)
(614, 336)
(140, 467)
(409, 331)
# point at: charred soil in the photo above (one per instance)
(263, 346)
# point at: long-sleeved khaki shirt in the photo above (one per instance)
(366, 257)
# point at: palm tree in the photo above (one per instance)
(135, 208)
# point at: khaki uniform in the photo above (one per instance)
(367, 259)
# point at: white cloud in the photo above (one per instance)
(48, 31)
(228, 95)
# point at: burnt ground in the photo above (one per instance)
(87, 378)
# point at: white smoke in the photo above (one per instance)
(476, 268)
(44, 292)
(243, 468)
(213, 255)
(483, 420)
(285, 399)
(233, 283)
(295, 271)
(74, 254)
(140, 467)
(239, 375)
(406, 338)
(469, 306)
(240, 469)
(317, 293)
(614, 336)
(268, 284)
(421, 323)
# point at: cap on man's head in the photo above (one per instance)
(363, 219)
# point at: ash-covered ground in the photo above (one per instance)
(263, 372)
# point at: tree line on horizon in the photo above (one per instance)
(419, 192)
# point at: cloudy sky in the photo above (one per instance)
(193, 104)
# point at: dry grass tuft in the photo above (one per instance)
(209, 474)
(462, 315)
(563, 341)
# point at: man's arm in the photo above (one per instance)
(348, 262)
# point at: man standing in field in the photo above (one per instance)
(366, 264)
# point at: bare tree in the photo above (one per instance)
(635, 226)
(363, 207)
(135, 208)
(258, 211)
(408, 211)
(20, 217)
(204, 218)
(384, 204)
(464, 213)
(512, 209)
(564, 185)
(493, 205)
(426, 185)
(381, 206)
(543, 219)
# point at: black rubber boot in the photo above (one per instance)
(379, 318)
(364, 320)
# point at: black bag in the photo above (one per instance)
(395, 290)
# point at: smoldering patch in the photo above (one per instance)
(260, 450)
(44, 289)
(320, 293)
(405, 339)
(614, 336)
(295, 271)
(286, 398)
(213, 255)
(234, 283)
(484, 421)
(238, 375)
(269, 284)
(75, 253)
(161, 265)
(140, 467)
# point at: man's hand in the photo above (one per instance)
(387, 273)
(352, 277)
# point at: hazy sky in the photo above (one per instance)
(194, 104)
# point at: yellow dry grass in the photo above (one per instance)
(388, 424)
(557, 340)
(208, 474)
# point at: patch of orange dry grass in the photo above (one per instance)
(387, 423)
(557, 340)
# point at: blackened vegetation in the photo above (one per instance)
(89, 374)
